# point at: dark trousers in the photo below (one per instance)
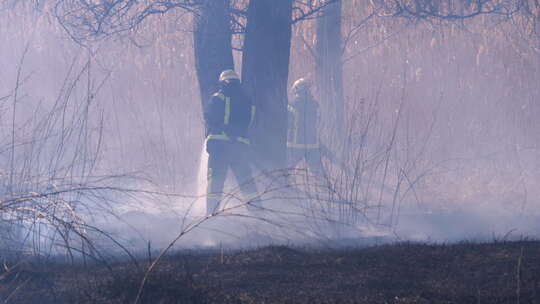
(311, 156)
(225, 155)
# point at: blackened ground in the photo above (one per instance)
(497, 272)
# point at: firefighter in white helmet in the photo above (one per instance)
(229, 115)
(302, 138)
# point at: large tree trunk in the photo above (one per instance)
(329, 67)
(212, 44)
(265, 71)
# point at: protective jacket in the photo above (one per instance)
(302, 123)
(229, 114)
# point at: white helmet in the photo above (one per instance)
(301, 86)
(228, 75)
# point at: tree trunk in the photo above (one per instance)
(329, 67)
(212, 44)
(265, 71)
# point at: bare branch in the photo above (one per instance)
(306, 10)
(87, 20)
(446, 10)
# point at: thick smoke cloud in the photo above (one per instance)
(465, 163)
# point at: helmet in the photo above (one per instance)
(228, 75)
(301, 86)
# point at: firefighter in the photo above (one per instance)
(302, 138)
(229, 115)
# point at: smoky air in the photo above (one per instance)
(157, 126)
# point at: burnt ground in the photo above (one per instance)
(496, 272)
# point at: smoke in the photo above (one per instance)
(472, 224)
(463, 162)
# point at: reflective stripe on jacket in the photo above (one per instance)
(229, 116)
(224, 137)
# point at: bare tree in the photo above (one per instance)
(87, 21)
(265, 72)
(329, 63)
(212, 44)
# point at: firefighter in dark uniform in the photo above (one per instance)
(302, 138)
(229, 115)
